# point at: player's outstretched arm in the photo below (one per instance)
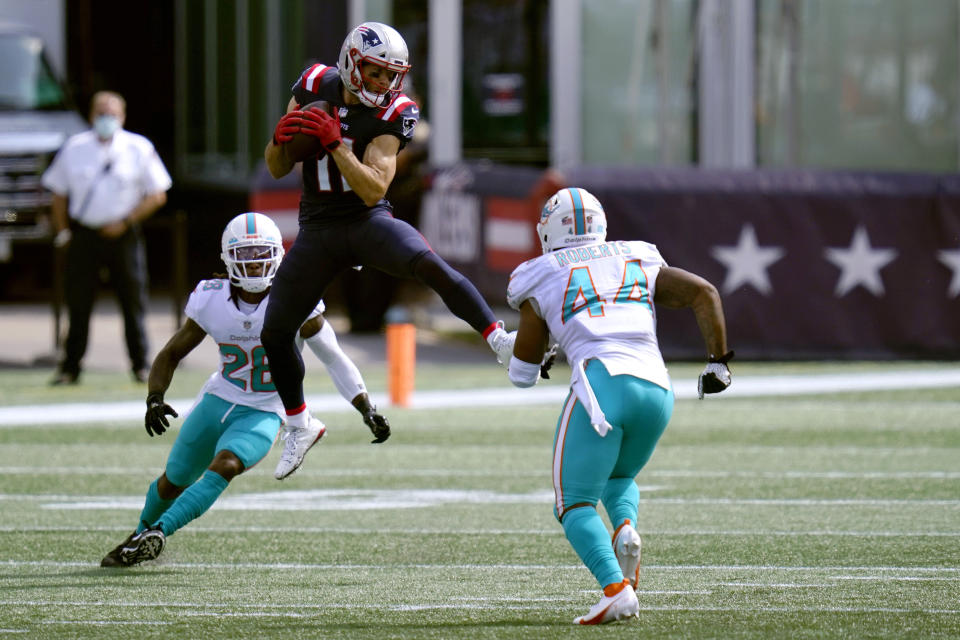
(178, 346)
(678, 288)
(528, 350)
(320, 337)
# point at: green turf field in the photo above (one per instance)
(812, 516)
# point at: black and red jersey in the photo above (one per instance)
(326, 193)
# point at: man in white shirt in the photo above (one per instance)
(105, 182)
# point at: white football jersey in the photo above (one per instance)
(244, 375)
(597, 301)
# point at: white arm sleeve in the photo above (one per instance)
(523, 374)
(344, 373)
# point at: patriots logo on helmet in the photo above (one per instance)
(370, 38)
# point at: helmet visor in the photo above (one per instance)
(254, 261)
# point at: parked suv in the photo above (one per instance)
(36, 117)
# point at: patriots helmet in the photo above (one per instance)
(570, 218)
(377, 44)
(252, 248)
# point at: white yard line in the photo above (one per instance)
(666, 568)
(105, 623)
(363, 472)
(552, 393)
(268, 610)
(479, 473)
(556, 532)
(354, 499)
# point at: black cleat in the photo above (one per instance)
(112, 559)
(146, 545)
(63, 379)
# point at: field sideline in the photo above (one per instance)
(831, 511)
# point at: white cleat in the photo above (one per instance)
(298, 441)
(502, 343)
(626, 546)
(620, 606)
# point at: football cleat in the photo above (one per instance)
(626, 546)
(298, 441)
(112, 559)
(502, 343)
(146, 545)
(620, 606)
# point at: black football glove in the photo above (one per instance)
(155, 420)
(548, 359)
(378, 425)
(716, 376)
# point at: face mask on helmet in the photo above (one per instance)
(570, 218)
(373, 62)
(252, 248)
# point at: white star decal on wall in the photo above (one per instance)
(747, 263)
(951, 258)
(860, 264)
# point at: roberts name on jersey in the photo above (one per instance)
(597, 300)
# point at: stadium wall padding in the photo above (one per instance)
(810, 264)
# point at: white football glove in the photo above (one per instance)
(502, 343)
(715, 376)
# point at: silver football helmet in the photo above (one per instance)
(252, 248)
(570, 218)
(378, 44)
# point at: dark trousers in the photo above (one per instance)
(320, 252)
(125, 258)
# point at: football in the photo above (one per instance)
(304, 146)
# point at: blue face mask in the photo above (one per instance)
(106, 126)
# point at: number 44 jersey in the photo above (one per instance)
(244, 375)
(597, 301)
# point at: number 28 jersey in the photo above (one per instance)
(244, 375)
(597, 301)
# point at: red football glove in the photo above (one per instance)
(288, 125)
(322, 125)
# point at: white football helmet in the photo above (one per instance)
(252, 248)
(570, 218)
(378, 44)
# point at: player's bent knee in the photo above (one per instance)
(166, 489)
(227, 465)
(431, 270)
(276, 338)
(559, 516)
